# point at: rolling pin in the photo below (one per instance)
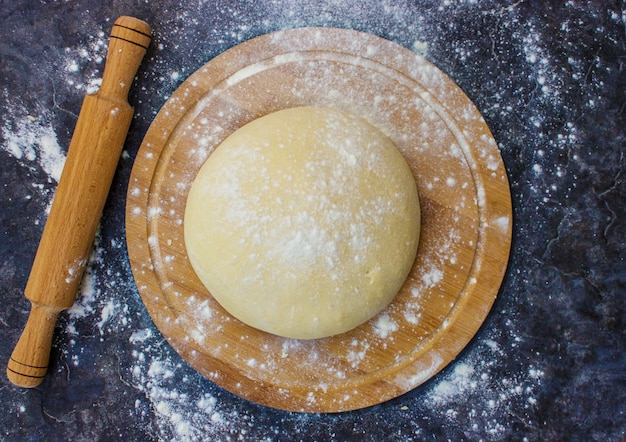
(70, 229)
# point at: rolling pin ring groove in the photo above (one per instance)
(27, 365)
(129, 41)
(27, 375)
(132, 29)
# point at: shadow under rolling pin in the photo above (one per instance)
(70, 229)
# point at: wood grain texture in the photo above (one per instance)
(70, 229)
(464, 197)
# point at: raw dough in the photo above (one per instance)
(303, 223)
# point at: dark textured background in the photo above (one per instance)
(548, 363)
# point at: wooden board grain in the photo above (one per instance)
(464, 197)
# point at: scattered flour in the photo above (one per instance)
(384, 326)
(187, 414)
(83, 65)
(34, 143)
(108, 310)
(475, 388)
(502, 223)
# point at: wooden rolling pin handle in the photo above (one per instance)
(71, 226)
(29, 362)
(130, 38)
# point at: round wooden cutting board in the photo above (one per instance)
(464, 196)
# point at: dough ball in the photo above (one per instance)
(303, 223)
